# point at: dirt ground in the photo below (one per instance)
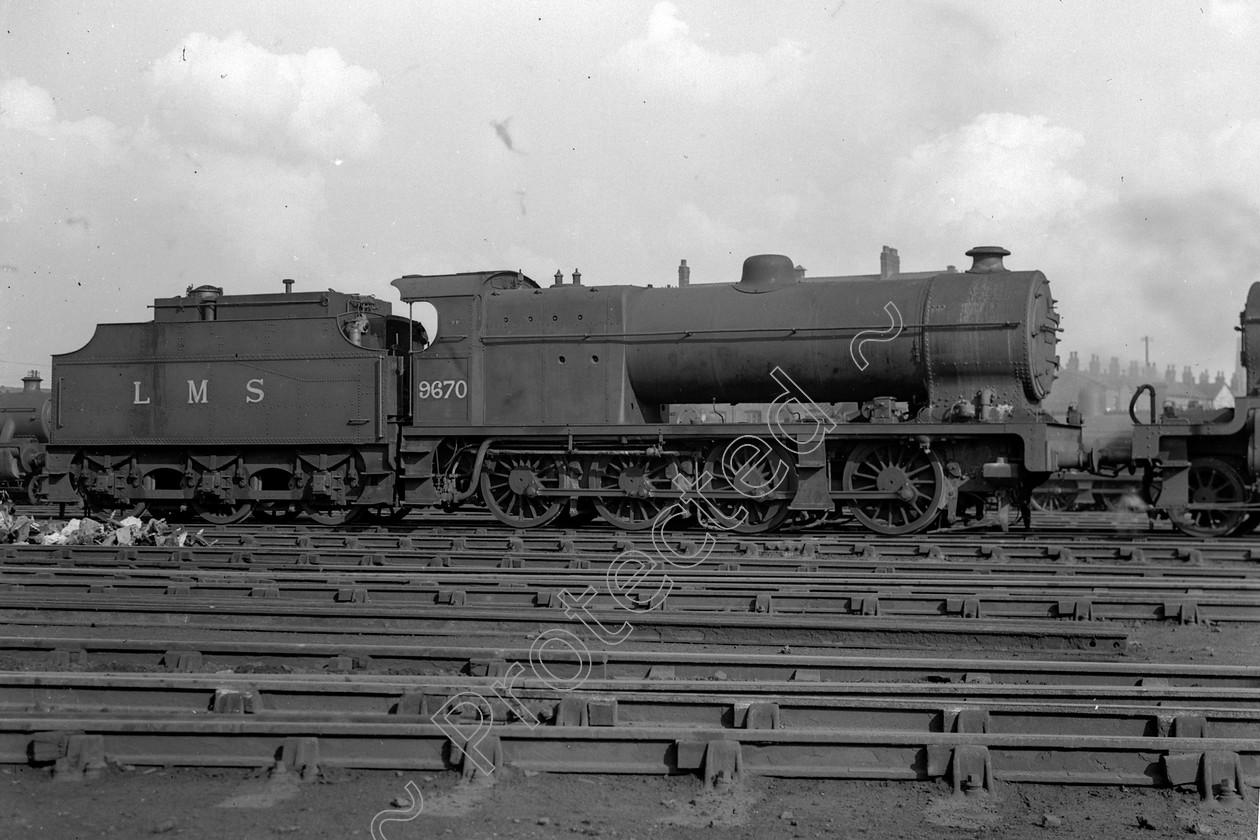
(201, 804)
(229, 804)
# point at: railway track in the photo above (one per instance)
(970, 757)
(972, 733)
(693, 664)
(267, 615)
(1084, 535)
(1187, 597)
(310, 650)
(404, 554)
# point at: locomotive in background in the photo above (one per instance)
(24, 429)
(1199, 467)
(551, 403)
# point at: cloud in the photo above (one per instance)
(1235, 17)
(225, 181)
(1175, 266)
(239, 96)
(695, 231)
(25, 106)
(1166, 252)
(1007, 168)
(668, 60)
(1227, 159)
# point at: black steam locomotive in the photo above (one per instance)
(24, 427)
(548, 404)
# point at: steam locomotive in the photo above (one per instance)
(552, 404)
(24, 427)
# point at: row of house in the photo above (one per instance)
(1093, 390)
(1096, 390)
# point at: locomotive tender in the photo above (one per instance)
(549, 402)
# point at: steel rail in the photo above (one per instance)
(183, 652)
(701, 577)
(566, 553)
(1115, 710)
(977, 596)
(1110, 529)
(974, 760)
(744, 627)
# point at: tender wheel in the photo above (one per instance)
(1051, 500)
(631, 482)
(106, 513)
(35, 494)
(915, 476)
(510, 484)
(330, 515)
(756, 473)
(221, 513)
(1213, 481)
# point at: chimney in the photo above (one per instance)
(1170, 375)
(1203, 377)
(288, 286)
(684, 274)
(1113, 369)
(577, 277)
(31, 381)
(1095, 366)
(1074, 361)
(987, 259)
(1220, 378)
(558, 280)
(1187, 376)
(889, 263)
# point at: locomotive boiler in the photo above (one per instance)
(548, 404)
(932, 340)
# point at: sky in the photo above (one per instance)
(150, 146)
